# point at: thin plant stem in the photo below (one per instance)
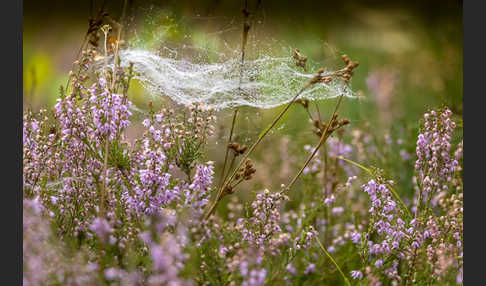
(308, 113)
(221, 180)
(326, 193)
(103, 186)
(394, 192)
(333, 261)
(232, 163)
(356, 164)
(318, 112)
(411, 269)
(85, 40)
(323, 139)
(105, 163)
(252, 147)
(418, 203)
(235, 113)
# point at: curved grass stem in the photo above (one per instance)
(333, 261)
(394, 192)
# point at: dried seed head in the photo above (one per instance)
(228, 190)
(242, 149)
(234, 146)
(105, 29)
(303, 102)
(326, 79)
(346, 58)
(299, 59)
(246, 13)
(249, 171)
(315, 79)
(346, 73)
(296, 54)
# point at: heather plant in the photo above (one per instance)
(105, 207)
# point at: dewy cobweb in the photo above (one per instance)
(264, 83)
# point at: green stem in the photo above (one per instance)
(250, 150)
(333, 261)
(394, 192)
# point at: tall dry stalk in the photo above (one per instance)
(250, 150)
(105, 30)
(323, 139)
(244, 39)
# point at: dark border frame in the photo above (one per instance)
(11, 118)
(474, 61)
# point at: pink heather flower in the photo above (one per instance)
(434, 163)
(111, 273)
(291, 269)
(405, 155)
(201, 183)
(337, 210)
(356, 274)
(355, 237)
(101, 227)
(265, 220)
(459, 277)
(255, 277)
(328, 201)
(311, 268)
(159, 259)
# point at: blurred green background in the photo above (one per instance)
(410, 55)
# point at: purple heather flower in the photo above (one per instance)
(330, 200)
(355, 237)
(337, 210)
(356, 274)
(111, 273)
(146, 123)
(291, 269)
(434, 163)
(255, 277)
(101, 227)
(311, 268)
(159, 258)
